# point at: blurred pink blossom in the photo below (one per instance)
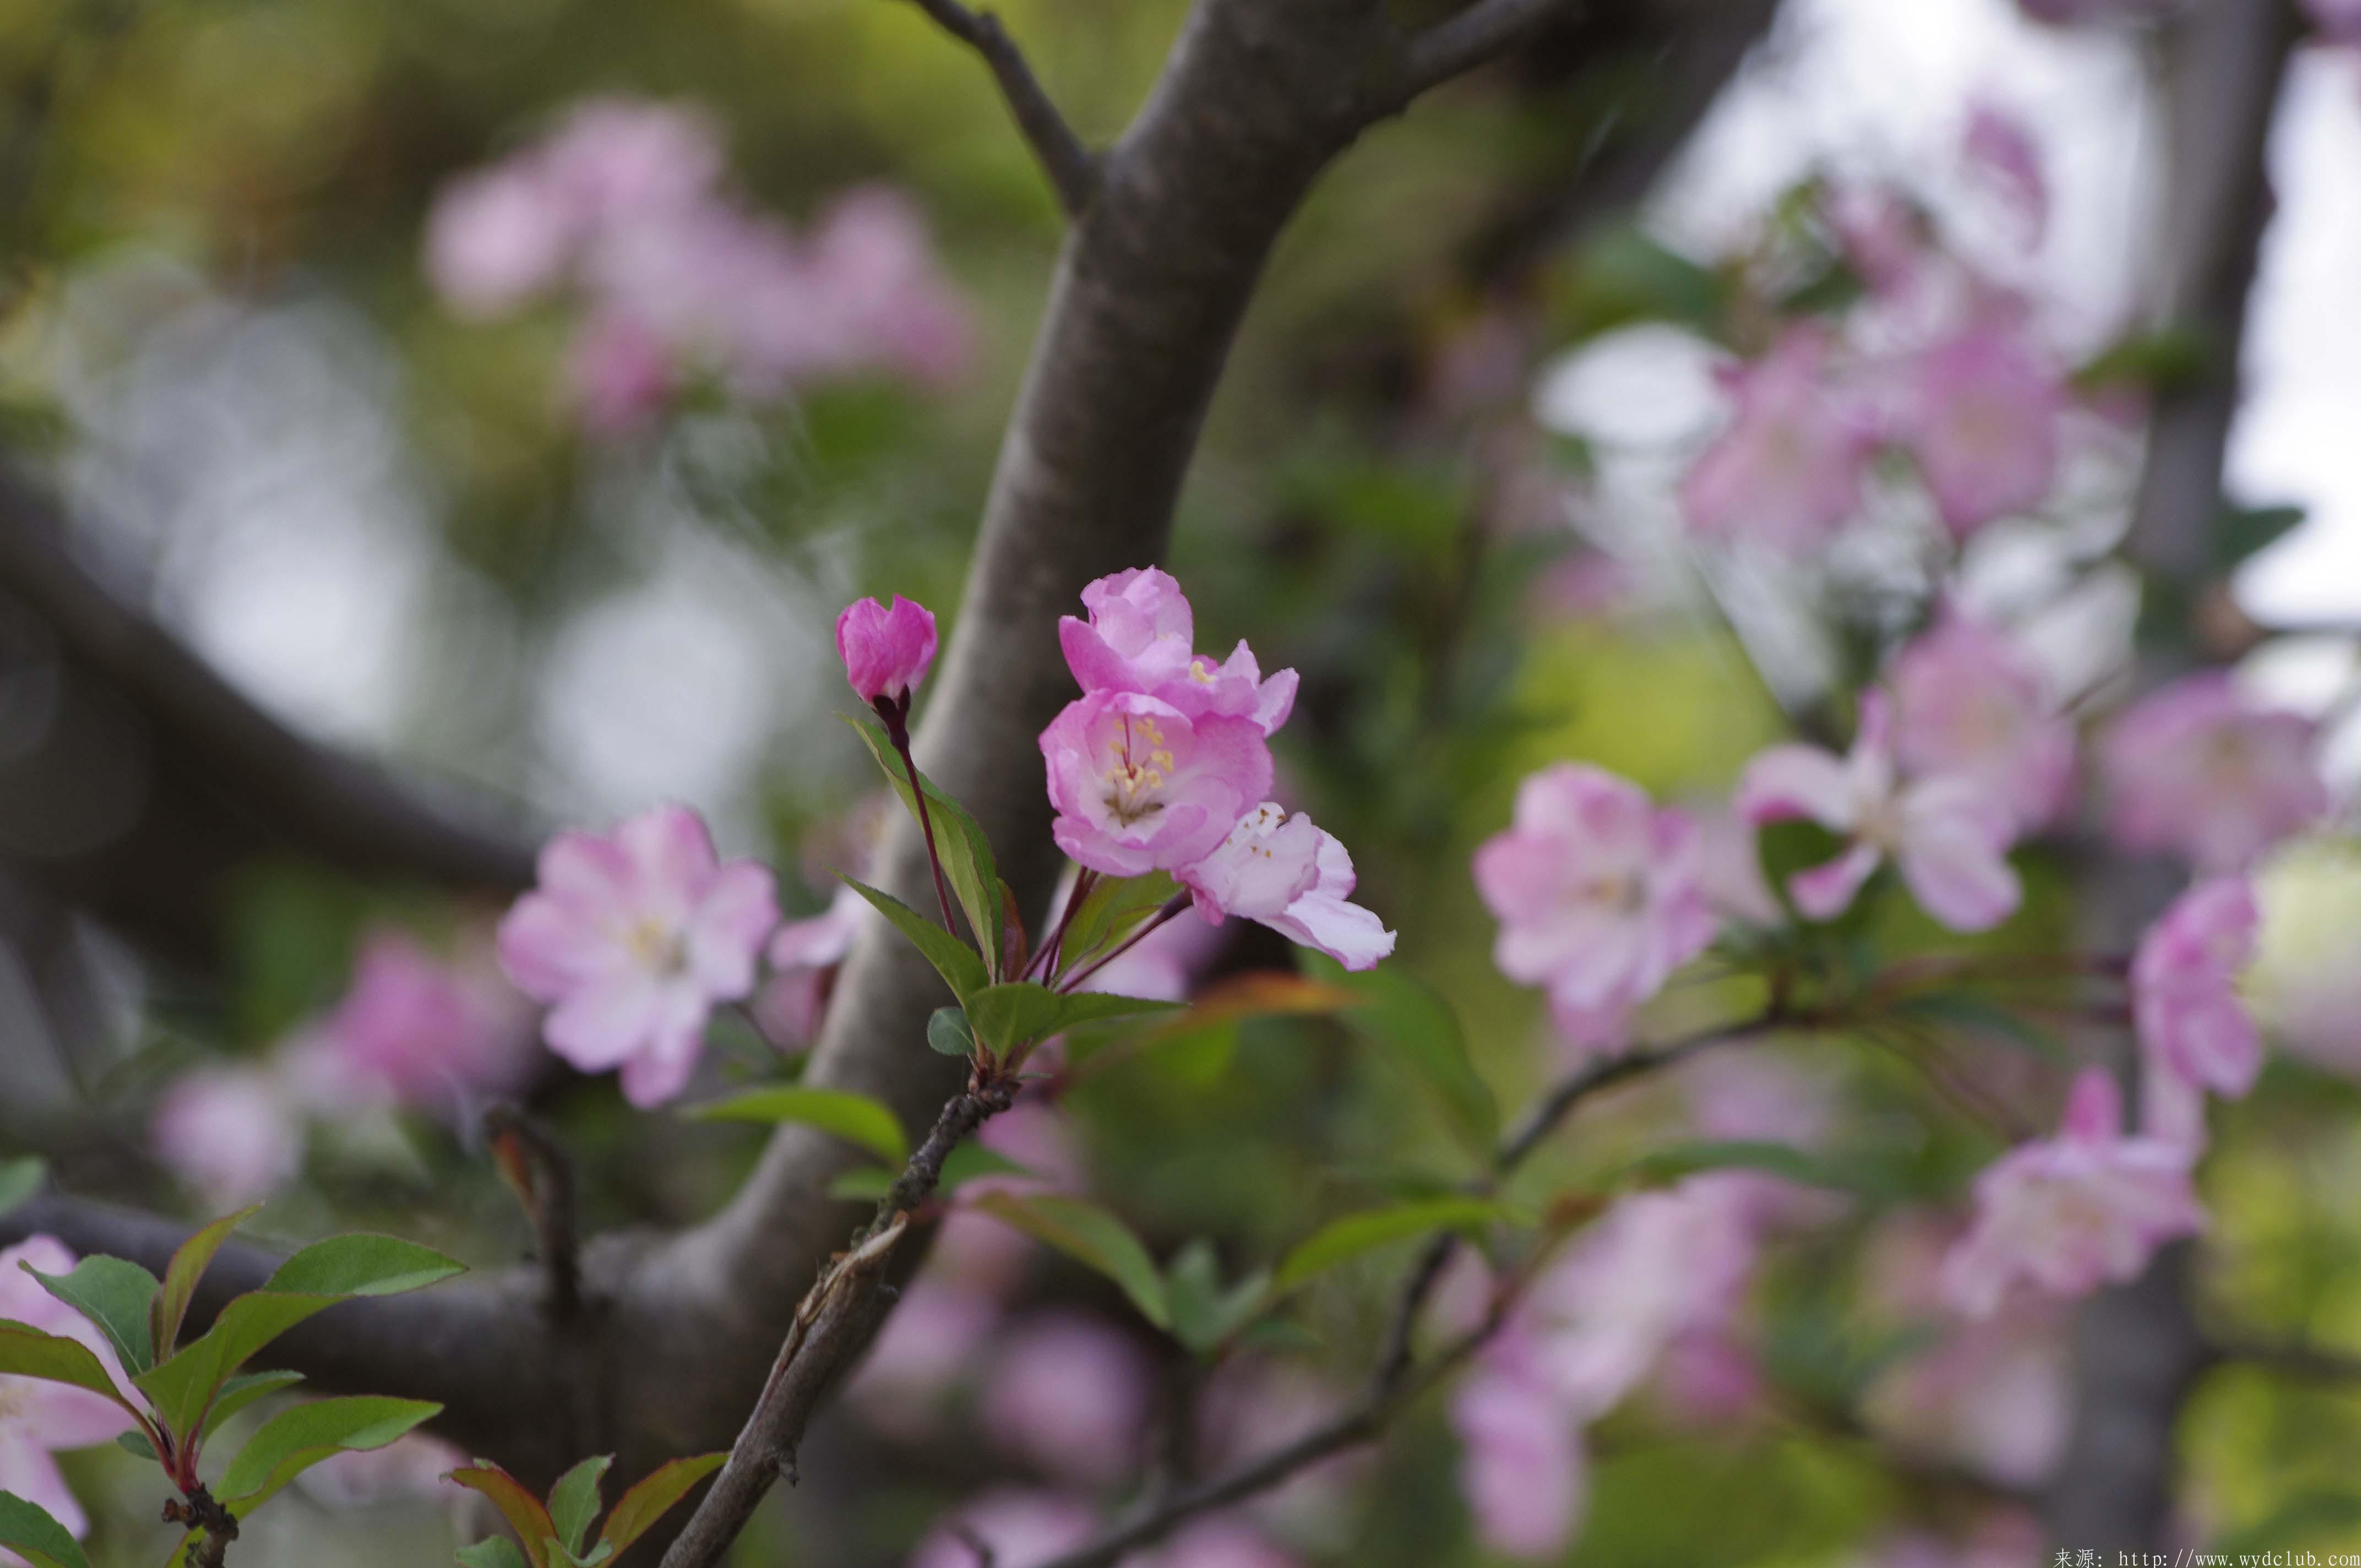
(1982, 421)
(886, 650)
(232, 1132)
(2339, 21)
(38, 1418)
(1139, 786)
(1140, 637)
(803, 956)
(410, 1467)
(620, 161)
(1599, 895)
(2202, 770)
(1948, 835)
(1221, 1543)
(632, 937)
(1023, 1529)
(930, 1342)
(2193, 1025)
(1071, 1395)
(1293, 877)
(621, 373)
(497, 238)
(1522, 1466)
(1708, 1378)
(421, 1030)
(2069, 1213)
(1969, 702)
(1163, 965)
(2000, 150)
(1787, 472)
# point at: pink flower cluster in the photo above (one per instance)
(2200, 770)
(1164, 764)
(39, 1419)
(2195, 1033)
(621, 203)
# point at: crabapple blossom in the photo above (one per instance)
(803, 956)
(1140, 637)
(1982, 421)
(2001, 151)
(497, 237)
(620, 373)
(1022, 1529)
(2202, 770)
(931, 1340)
(1948, 835)
(1788, 470)
(411, 1465)
(1070, 1394)
(1140, 786)
(632, 937)
(1221, 1543)
(1521, 1465)
(419, 1029)
(2069, 1213)
(886, 652)
(1292, 877)
(2193, 1025)
(1969, 702)
(1599, 895)
(38, 1418)
(233, 1134)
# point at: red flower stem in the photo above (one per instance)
(897, 729)
(1173, 907)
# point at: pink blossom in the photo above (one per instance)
(1983, 422)
(803, 956)
(1163, 965)
(1140, 637)
(1295, 879)
(1948, 835)
(2069, 1213)
(1730, 868)
(411, 1466)
(2193, 1025)
(1140, 786)
(1070, 1394)
(886, 652)
(232, 1132)
(1598, 894)
(421, 1030)
(1023, 1529)
(1522, 1466)
(2001, 152)
(874, 276)
(1968, 702)
(932, 1341)
(38, 1418)
(1788, 470)
(497, 237)
(622, 374)
(1221, 1543)
(631, 939)
(2200, 770)
(621, 161)
(1038, 1136)
(1708, 1378)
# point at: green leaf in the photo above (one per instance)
(1005, 1016)
(1350, 1237)
(1987, 1019)
(967, 864)
(519, 1506)
(27, 1529)
(184, 1384)
(27, 1351)
(500, 1551)
(115, 1295)
(950, 1034)
(238, 1392)
(1108, 913)
(1404, 1014)
(20, 1180)
(574, 1501)
(650, 1500)
(855, 1118)
(2241, 532)
(135, 1444)
(952, 959)
(1669, 1164)
(1091, 1236)
(1204, 1315)
(181, 1275)
(362, 1265)
(302, 1435)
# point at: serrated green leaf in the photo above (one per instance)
(1090, 1236)
(189, 1261)
(498, 1552)
(1403, 1014)
(518, 1506)
(1344, 1239)
(182, 1386)
(300, 1436)
(953, 959)
(115, 1294)
(1005, 1016)
(27, 1529)
(855, 1118)
(236, 1393)
(653, 1497)
(135, 1444)
(20, 1179)
(950, 1034)
(574, 1501)
(27, 1351)
(362, 1265)
(967, 864)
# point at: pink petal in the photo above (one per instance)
(738, 911)
(1797, 781)
(1826, 891)
(2094, 1108)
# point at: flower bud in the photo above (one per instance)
(885, 652)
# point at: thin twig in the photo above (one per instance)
(537, 1169)
(1469, 39)
(1072, 168)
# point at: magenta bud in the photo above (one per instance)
(885, 652)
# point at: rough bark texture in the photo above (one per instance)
(2138, 1348)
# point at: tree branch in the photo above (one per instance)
(1485, 29)
(1072, 168)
